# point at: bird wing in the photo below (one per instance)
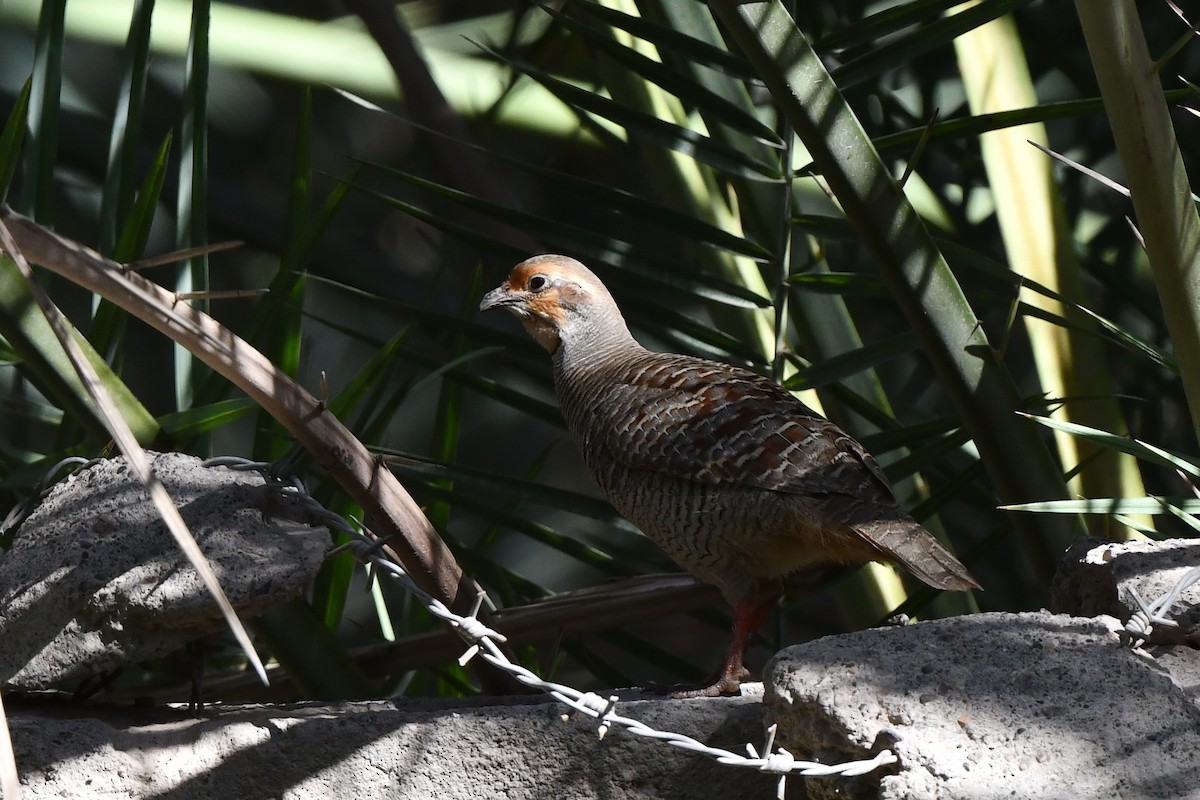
(717, 424)
(721, 425)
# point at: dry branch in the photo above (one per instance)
(393, 514)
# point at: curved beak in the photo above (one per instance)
(499, 297)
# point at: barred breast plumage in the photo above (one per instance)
(735, 478)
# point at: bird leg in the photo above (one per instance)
(748, 616)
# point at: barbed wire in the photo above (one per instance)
(21, 511)
(483, 642)
(1141, 624)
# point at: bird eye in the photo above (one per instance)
(538, 282)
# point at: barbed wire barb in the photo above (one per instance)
(1140, 626)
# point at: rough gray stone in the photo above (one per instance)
(94, 579)
(989, 706)
(1096, 577)
(368, 750)
(985, 706)
(1183, 664)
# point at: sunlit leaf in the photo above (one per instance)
(11, 138)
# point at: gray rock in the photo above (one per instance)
(988, 706)
(94, 580)
(1097, 577)
(985, 706)
(365, 750)
(1183, 664)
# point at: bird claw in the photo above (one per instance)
(722, 687)
(728, 682)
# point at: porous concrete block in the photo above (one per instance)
(520, 750)
(988, 706)
(979, 707)
(1097, 577)
(94, 580)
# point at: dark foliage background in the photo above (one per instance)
(639, 137)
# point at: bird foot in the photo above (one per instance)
(728, 682)
(721, 687)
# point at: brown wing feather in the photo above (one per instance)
(715, 424)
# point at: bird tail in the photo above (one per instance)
(908, 545)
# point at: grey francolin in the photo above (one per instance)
(731, 475)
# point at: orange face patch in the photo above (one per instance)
(546, 304)
(518, 279)
(545, 292)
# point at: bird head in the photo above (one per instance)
(556, 299)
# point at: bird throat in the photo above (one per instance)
(542, 332)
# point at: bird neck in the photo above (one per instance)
(585, 348)
(586, 365)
